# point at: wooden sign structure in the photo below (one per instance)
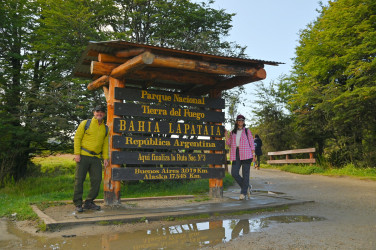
(158, 134)
(143, 69)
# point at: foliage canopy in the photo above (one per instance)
(40, 42)
(332, 88)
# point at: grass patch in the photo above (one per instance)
(52, 180)
(302, 169)
(351, 170)
(348, 170)
(59, 164)
(42, 227)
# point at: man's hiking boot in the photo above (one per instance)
(91, 205)
(79, 209)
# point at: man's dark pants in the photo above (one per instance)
(246, 165)
(93, 165)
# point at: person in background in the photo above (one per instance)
(242, 150)
(258, 151)
(90, 145)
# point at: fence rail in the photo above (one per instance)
(288, 154)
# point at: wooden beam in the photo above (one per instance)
(100, 68)
(106, 58)
(106, 93)
(289, 161)
(103, 80)
(293, 151)
(133, 64)
(260, 74)
(129, 53)
(107, 63)
(174, 76)
(200, 66)
(230, 83)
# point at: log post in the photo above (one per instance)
(216, 185)
(137, 62)
(103, 80)
(111, 188)
(311, 157)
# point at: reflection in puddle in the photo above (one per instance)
(185, 236)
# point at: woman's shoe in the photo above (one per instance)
(249, 190)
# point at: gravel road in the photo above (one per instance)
(347, 204)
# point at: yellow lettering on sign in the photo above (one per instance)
(156, 129)
(131, 126)
(141, 126)
(178, 129)
(193, 131)
(206, 131)
(199, 129)
(170, 130)
(149, 123)
(186, 128)
(218, 131)
(122, 125)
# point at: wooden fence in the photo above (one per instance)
(288, 158)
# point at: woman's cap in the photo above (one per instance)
(240, 118)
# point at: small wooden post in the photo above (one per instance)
(310, 157)
(216, 185)
(111, 188)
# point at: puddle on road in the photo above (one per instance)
(184, 236)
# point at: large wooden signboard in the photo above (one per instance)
(164, 128)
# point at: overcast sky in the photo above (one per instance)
(270, 30)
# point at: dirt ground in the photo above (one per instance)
(348, 206)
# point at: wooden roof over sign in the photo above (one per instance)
(145, 65)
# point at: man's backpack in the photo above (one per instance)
(87, 125)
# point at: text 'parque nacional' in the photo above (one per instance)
(160, 97)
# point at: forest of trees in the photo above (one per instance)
(41, 42)
(328, 101)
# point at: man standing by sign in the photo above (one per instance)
(242, 149)
(90, 145)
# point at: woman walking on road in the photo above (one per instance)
(258, 151)
(242, 150)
